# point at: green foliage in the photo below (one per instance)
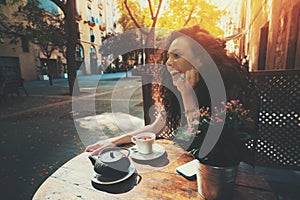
(174, 14)
(125, 20)
(182, 13)
(38, 26)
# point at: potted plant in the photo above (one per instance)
(217, 170)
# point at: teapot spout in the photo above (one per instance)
(92, 159)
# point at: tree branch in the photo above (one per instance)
(131, 15)
(133, 18)
(47, 52)
(150, 8)
(189, 16)
(156, 14)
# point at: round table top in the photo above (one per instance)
(153, 179)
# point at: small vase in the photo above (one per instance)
(216, 182)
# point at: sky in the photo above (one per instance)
(222, 4)
(49, 6)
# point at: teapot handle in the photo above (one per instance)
(115, 148)
(123, 148)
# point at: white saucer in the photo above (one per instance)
(131, 171)
(158, 151)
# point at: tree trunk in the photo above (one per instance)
(71, 31)
(49, 71)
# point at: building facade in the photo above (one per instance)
(270, 34)
(21, 57)
(95, 19)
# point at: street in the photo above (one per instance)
(38, 133)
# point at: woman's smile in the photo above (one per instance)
(175, 75)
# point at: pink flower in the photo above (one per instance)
(218, 119)
(190, 129)
(195, 122)
(232, 112)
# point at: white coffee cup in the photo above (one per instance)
(144, 142)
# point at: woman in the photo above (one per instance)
(183, 87)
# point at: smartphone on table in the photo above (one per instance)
(188, 170)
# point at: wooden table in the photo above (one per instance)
(153, 180)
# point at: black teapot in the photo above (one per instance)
(111, 162)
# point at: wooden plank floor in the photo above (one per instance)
(284, 183)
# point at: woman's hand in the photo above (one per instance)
(185, 85)
(98, 146)
(192, 76)
(187, 81)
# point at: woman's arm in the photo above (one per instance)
(190, 105)
(155, 127)
(185, 87)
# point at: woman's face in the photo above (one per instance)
(180, 55)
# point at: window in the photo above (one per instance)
(100, 4)
(93, 54)
(293, 52)
(100, 19)
(89, 12)
(79, 52)
(92, 36)
(3, 2)
(91, 32)
(92, 50)
(263, 45)
(92, 19)
(25, 44)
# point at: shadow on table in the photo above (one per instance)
(158, 162)
(121, 187)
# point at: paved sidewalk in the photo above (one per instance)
(41, 94)
(34, 138)
(38, 135)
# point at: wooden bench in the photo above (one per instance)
(12, 86)
(11, 80)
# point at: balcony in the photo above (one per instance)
(78, 17)
(90, 22)
(102, 28)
